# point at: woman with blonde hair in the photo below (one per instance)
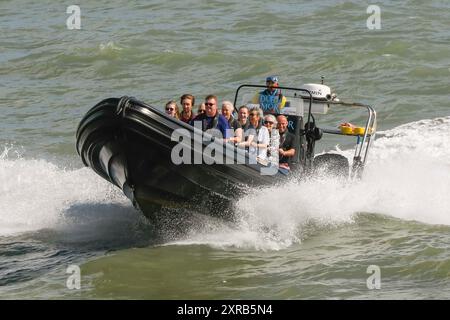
(172, 109)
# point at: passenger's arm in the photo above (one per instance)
(287, 153)
(259, 145)
(237, 135)
(248, 142)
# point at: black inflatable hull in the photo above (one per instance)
(128, 143)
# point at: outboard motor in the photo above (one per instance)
(321, 94)
(318, 91)
(328, 163)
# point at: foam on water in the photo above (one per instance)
(109, 46)
(409, 174)
(407, 177)
(36, 194)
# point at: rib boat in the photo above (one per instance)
(159, 161)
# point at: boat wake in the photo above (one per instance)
(407, 177)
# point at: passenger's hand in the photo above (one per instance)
(346, 124)
(281, 151)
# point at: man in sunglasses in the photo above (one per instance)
(271, 100)
(212, 119)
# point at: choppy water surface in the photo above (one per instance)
(313, 239)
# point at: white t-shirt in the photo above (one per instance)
(263, 138)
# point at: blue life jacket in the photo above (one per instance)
(270, 101)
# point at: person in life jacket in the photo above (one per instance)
(212, 119)
(270, 100)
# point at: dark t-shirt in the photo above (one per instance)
(286, 143)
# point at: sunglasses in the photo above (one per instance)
(170, 109)
(209, 104)
(201, 111)
(254, 115)
(268, 122)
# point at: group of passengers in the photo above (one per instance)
(251, 129)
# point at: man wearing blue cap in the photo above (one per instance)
(271, 100)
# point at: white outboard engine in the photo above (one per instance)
(318, 91)
(321, 94)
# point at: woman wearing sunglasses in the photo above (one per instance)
(270, 122)
(172, 109)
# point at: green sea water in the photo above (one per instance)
(308, 240)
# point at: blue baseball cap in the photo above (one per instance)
(272, 79)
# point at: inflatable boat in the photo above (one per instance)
(159, 161)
